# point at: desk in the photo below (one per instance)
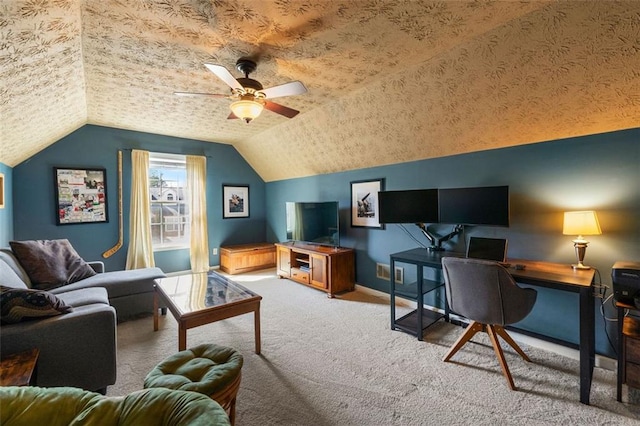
(544, 274)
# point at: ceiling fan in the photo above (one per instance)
(249, 97)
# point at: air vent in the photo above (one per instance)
(382, 271)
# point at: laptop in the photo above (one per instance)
(488, 249)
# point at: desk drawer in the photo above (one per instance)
(632, 350)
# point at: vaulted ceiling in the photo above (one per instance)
(388, 81)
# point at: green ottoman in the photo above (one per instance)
(208, 369)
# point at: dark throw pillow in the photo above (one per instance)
(50, 263)
(20, 304)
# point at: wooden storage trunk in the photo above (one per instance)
(247, 257)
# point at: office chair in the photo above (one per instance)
(484, 292)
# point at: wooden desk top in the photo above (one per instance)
(551, 273)
(545, 274)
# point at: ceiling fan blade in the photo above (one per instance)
(224, 75)
(281, 109)
(287, 89)
(209, 95)
(232, 116)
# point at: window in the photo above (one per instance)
(170, 221)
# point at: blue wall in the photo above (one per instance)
(6, 214)
(599, 172)
(96, 147)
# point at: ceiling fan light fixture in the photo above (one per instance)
(246, 110)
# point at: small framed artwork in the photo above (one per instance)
(235, 201)
(81, 195)
(364, 203)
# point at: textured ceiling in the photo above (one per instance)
(389, 80)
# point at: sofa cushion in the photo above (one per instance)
(120, 283)
(9, 258)
(50, 263)
(19, 304)
(84, 296)
(9, 278)
(207, 368)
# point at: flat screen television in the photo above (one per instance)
(487, 205)
(409, 206)
(313, 222)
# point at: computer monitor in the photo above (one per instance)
(408, 206)
(486, 205)
(487, 249)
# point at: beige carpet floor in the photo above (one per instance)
(336, 362)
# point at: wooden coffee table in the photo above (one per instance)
(199, 299)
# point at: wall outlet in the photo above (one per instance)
(215, 251)
(399, 275)
(382, 271)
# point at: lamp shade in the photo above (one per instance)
(246, 109)
(581, 223)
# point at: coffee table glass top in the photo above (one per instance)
(196, 292)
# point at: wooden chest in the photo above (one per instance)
(247, 257)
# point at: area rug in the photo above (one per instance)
(336, 362)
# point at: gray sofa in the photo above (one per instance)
(78, 348)
(130, 292)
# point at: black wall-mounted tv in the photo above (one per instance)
(313, 222)
(488, 205)
(409, 206)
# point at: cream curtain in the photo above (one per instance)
(140, 252)
(196, 190)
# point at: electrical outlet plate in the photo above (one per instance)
(382, 271)
(215, 251)
(399, 275)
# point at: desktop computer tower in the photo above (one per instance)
(626, 282)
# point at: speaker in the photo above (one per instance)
(626, 282)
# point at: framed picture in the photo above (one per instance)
(81, 195)
(364, 203)
(235, 201)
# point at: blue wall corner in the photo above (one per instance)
(96, 146)
(6, 213)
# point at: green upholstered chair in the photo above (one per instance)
(73, 406)
(209, 369)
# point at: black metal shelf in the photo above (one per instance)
(410, 291)
(421, 318)
(409, 322)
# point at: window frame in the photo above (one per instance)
(166, 161)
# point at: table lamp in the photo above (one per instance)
(580, 224)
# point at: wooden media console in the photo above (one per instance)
(330, 269)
